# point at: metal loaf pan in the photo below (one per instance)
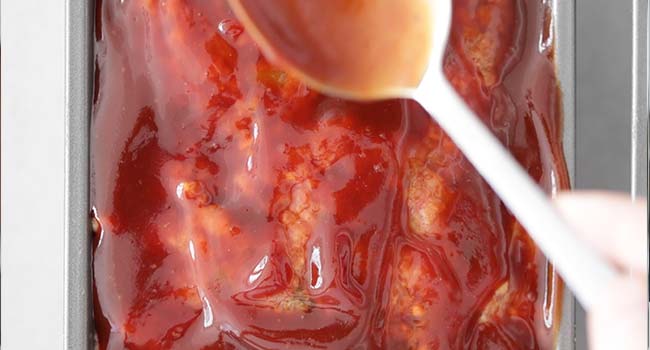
(640, 104)
(78, 327)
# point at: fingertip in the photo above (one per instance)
(612, 223)
(619, 319)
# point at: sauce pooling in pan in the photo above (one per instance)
(234, 208)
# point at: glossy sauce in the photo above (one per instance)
(236, 209)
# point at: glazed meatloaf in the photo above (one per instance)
(235, 208)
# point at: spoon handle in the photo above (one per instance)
(585, 272)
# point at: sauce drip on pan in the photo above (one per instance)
(237, 209)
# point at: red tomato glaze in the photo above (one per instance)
(237, 209)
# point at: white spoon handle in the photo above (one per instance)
(585, 273)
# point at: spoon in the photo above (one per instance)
(370, 50)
